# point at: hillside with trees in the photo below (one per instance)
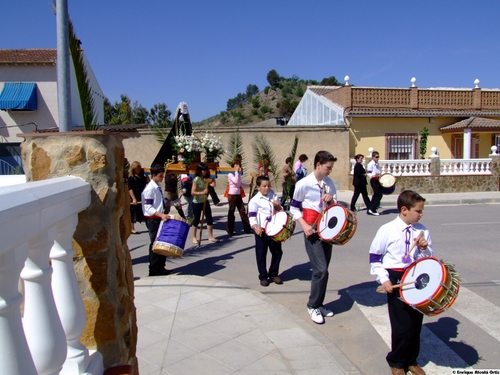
(279, 98)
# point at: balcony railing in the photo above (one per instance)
(422, 167)
(37, 222)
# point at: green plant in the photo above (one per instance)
(424, 133)
(235, 149)
(293, 153)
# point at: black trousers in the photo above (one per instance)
(406, 324)
(235, 201)
(156, 261)
(262, 243)
(360, 189)
(377, 194)
(213, 195)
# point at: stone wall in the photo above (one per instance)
(437, 183)
(143, 147)
(102, 260)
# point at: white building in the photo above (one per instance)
(28, 99)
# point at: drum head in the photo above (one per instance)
(276, 224)
(333, 222)
(427, 273)
(387, 180)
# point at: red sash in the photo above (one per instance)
(309, 215)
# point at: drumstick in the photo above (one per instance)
(203, 213)
(381, 290)
(414, 244)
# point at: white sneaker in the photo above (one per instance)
(326, 312)
(370, 212)
(316, 315)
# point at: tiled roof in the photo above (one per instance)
(422, 112)
(28, 56)
(473, 123)
(322, 90)
(109, 128)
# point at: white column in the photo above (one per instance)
(67, 297)
(42, 326)
(467, 143)
(15, 356)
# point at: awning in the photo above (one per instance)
(18, 96)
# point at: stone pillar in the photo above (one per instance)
(435, 167)
(495, 164)
(102, 260)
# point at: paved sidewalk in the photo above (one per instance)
(199, 325)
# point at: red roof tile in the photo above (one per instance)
(473, 123)
(28, 56)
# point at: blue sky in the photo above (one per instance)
(205, 52)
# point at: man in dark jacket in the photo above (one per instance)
(359, 182)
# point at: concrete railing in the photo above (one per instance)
(41, 326)
(434, 165)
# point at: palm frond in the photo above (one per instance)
(82, 81)
(293, 151)
(263, 150)
(235, 149)
(160, 132)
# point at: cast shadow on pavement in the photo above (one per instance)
(207, 266)
(446, 328)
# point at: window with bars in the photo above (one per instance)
(401, 146)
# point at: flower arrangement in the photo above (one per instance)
(212, 146)
(188, 146)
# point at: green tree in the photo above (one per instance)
(140, 114)
(252, 90)
(287, 107)
(330, 81)
(273, 77)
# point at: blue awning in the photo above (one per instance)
(20, 96)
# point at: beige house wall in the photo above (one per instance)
(143, 147)
(369, 132)
(45, 116)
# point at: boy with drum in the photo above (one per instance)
(260, 211)
(390, 254)
(311, 195)
(153, 208)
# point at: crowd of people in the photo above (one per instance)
(304, 198)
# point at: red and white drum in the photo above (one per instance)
(337, 225)
(281, 226)
(434, 286)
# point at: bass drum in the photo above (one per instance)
(337, 225)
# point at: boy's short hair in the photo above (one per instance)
(260, 179)
(409, 199)
(156, 168)
(288, 160)
(375, 153)
(303, 158)
(323, 157)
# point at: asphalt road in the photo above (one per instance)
(468, 334)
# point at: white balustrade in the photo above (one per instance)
(37, 222)
(422, 167)
(465, 166)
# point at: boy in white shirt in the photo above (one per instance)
(389, 258)
(260, 211)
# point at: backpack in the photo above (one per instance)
(301, 173)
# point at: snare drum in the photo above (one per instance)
(171, 237)
(434, 286)
(388, 183)
(281, 226)
(337, 225)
